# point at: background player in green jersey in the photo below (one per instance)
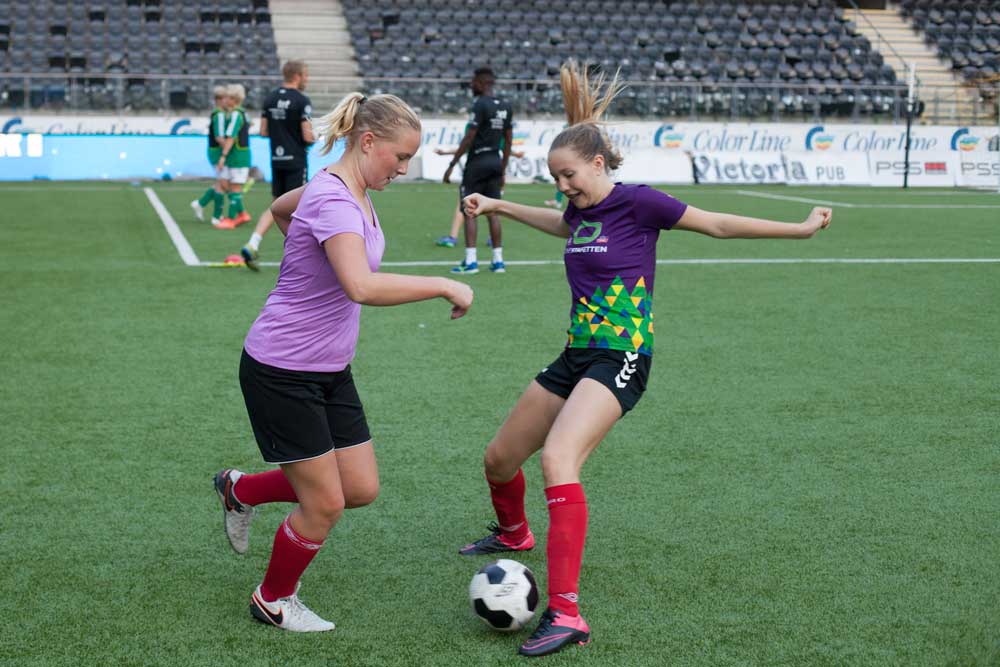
(216, 130)
(234, 161)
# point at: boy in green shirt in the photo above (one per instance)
(216, 132)
(234, 160)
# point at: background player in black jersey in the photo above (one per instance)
(287, 120)
(487, 141)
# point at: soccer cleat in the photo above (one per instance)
(494, 543)
(242, 218)
(446, 241)
(199, 212)
(216, 221)
(250, 257)
(498, 267)
(225, 223)
(555, 631)
(466, 268)
(236, 516)
(287, 613)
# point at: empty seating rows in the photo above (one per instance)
(133, 38)
(965, 33)
(808, 44)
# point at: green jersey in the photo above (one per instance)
(216, 128)
(239, 130)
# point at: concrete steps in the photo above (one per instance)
(316, 31)
(947, 101)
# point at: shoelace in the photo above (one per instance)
(544, 624)
(493, 527)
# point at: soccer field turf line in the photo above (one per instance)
(189, 257)
(831, 203)
(177, 237)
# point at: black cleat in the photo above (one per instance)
(494, 543)
(555, 631)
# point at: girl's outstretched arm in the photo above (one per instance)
(545, 219)
(728, 226)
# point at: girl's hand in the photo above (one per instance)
(817, 220)
(460, 296)
(476, 204)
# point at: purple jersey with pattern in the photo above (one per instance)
(308, 322)
(611, 265)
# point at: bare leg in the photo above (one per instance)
(522, 433)
(496, 235)
(358, 475)
(321, 496)
(589, 413)
(264, 222)
(456, 221)
(471, 230)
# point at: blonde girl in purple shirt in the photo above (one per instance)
(295, 369)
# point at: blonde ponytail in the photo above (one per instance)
(582, 97)
(356, 114)
(585, 106)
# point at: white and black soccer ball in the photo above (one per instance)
(504, 594)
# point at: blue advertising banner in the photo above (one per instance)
(25, 157)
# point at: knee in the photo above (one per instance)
(363, 496)
(556, 468)
(326, 509)
(495, 465)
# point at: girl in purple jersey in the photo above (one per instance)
(295, 370)
(610, 257)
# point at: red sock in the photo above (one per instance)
(567, 533)
(290, 557)
(265, 487)
(508, 501)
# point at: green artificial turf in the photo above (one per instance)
(810, 479)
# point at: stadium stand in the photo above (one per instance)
(162, 51)
(787, 57)
(967, 34)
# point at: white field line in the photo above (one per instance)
(176, 235)
(721, 261)
(844, 204)
(802, 200)
(191, 259)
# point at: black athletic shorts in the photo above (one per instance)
(285, 180)
(299, 415)
(482, 176)
(624, 373)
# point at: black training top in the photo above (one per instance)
(285, 109)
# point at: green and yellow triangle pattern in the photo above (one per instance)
(614, 319)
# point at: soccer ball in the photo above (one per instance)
(504, 594)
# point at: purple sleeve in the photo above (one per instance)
(657, 209)
(337, 216)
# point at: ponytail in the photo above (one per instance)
(356, 114)
(585, 105)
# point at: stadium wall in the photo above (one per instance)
(94, 147)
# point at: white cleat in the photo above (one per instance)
(199, 212)
(236, 516)
(287, 613)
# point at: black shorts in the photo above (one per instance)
(482, 176)
(286, 180)
(624, 373)
(299, 415)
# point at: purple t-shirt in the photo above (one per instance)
(611, 264)
(308, 323)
